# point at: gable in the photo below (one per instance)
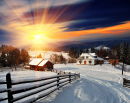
(35, 61)
(44, 62)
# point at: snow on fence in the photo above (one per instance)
(3, 90)
(60, 80)
(60, 72)
(126, 83)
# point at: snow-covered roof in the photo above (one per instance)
(43, 62)
(90, 56)
(99, 58)
(35, 61)
(107, 57)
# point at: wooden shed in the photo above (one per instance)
(113, 61)
(45, 65)
(39, 64)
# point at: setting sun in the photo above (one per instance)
(37, 37)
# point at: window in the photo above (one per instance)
(90, 62)
(95, 56)
(80, 61)
(82, 57)
(86, 56)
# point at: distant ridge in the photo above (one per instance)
(87, 45)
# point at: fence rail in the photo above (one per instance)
(126, 83)
(60, 72)
(58, 81)
(3, 90)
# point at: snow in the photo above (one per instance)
(90, 55)
(26, 75)
(43, 62)
(47, 54)
(35, 61)
(102, 47)
(98, 84)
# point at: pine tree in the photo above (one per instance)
(124, 52)
(3, 59)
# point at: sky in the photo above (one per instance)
(40, 22)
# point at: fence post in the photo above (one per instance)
(69, 77)
(58, 82)
(9, 86)
(75, 76)
(123, 82)
(79, 75)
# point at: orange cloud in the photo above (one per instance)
(115, 30)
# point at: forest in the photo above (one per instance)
(12, 56)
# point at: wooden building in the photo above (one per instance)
(45, 65)
(39, 64)
(113, 61)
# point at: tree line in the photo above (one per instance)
(55, 58)
(12, 56)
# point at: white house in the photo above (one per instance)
(88, 59)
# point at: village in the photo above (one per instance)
(102, 75)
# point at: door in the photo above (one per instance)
(84, 62)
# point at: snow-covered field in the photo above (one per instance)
(98, 84)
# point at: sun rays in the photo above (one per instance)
(39, 22)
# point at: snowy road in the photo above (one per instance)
(98, 84)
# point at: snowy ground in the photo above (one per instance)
(47, 54)
(98, 84)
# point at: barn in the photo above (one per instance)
(39, 64)
(45, 65)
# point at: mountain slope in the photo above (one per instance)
(108, 43)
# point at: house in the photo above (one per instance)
(41, 64)
(113, 61)
(89, 59)
(45, 64)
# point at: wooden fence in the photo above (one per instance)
(126, 83)
(60, 80)
(61, 72)
(3, 91)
